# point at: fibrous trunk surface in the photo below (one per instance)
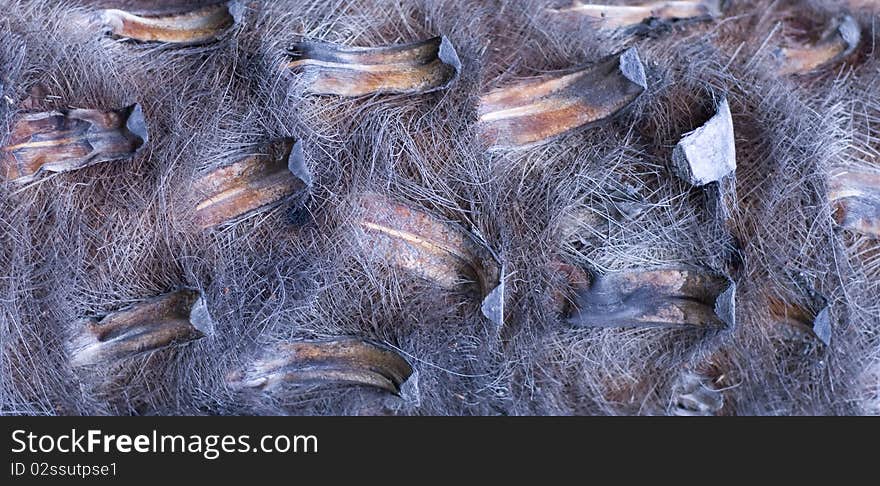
(447, 207)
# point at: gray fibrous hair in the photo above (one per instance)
(402, 253)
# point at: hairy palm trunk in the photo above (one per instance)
(439, 207)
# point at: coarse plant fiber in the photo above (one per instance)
(603, 198)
